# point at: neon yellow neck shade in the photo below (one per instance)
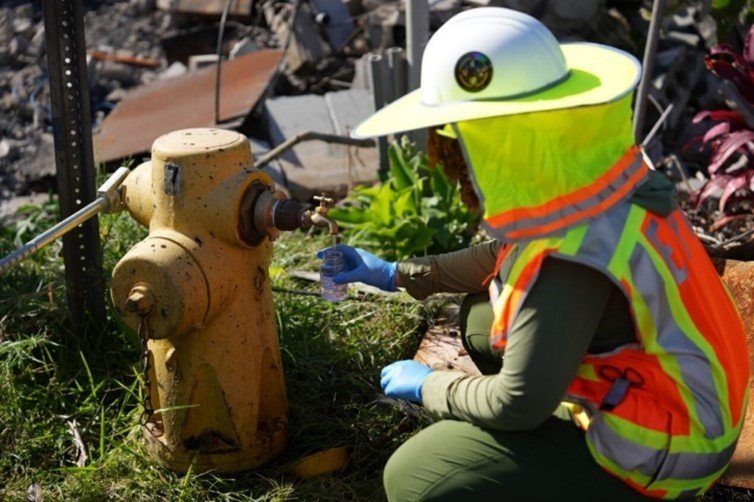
(538, 167)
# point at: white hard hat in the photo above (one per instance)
(493, 61)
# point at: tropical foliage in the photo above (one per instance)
(731, 139)
(416, 210)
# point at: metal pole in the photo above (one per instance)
(417, 36)
(653, 38)
(74, 159)
(397, 66)
(376, 79)
(386, 75)
(218, 69)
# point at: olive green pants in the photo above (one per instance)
(457, 461)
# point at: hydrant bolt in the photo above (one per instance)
(140, 301)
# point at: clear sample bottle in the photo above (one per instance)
(332, 264)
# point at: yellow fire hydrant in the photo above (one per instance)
(197, 290)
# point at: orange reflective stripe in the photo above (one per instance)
(501, 256)
(587, 213)
(515, 300)
(571, 199)
(721, 319)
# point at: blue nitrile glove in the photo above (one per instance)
(365, 267)
(403, 380)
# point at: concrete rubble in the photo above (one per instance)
(313, 167)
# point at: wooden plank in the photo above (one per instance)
(441, 349)
(205, 7)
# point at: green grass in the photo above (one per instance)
(332, 355)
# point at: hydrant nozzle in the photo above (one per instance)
(266, 212)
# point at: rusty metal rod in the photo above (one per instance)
(129, 60)
(47, 237)
(108, 199)
(308, 136)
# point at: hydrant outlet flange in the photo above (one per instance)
(177, 298)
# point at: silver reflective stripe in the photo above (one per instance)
(496, 287)
(602, 237)
(533, 222)
(679, 273)
(628, 455)
(655, 464)
(694, 364)
(688, 466)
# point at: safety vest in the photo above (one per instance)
(667, 410)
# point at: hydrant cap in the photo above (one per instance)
(159, 279)
(198, 140)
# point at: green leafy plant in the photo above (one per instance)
(34, 219)
(416, 210)
(732, 17)
(731, 139)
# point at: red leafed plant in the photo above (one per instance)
(731, 139)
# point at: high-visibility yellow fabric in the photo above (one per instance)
(673, 430)
(524, 161)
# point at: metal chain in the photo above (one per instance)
(146, 399)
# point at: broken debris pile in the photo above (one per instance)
(152, 69)
(27, 166)
(295, 65)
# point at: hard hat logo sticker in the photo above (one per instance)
(473, 71)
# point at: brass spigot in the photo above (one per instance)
(319, 217)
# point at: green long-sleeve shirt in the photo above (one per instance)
(571, 309)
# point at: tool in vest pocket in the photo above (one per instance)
(621, 382)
